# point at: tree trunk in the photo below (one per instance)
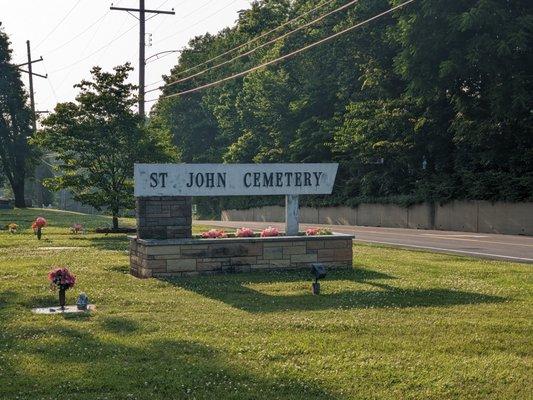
(18, 191)
(115, 222)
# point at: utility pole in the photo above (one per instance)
(142, 37)
(31, 74)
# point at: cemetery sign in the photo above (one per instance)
(233, 179)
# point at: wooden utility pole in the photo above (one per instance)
(31, 74)
(142, 65)
(142, 37)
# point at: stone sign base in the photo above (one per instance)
(186, 257)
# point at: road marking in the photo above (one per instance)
(453, 235)
(448, 250)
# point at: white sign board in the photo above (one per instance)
(233, 179)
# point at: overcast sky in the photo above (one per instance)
(74, 35)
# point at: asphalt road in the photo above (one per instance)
(484, 245)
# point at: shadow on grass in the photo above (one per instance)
(161, 369)
(235, 291)
(110, 242)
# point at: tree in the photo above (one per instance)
(98, 138)
(472, 61)
(440, 90)
(16, 154)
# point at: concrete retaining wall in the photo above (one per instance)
(467, 216)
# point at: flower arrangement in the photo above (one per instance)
(312, 231)
(244, 232)
(12, 227)
(61, 278)
(214, 234)
(269, 232)
(37, 226)
(318, 231)
(76, 229)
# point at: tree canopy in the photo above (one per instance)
(17, 156)
(98, 138)
(431, 102)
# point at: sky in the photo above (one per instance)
(74, 35)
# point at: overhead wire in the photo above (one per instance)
(197, 22)
(94, 52)
(299, 28)
(58, 24)
(288, 55)
(163, 19)
(260, 36)
(256, 38)
(78, 35)
(85, 48)
(50, 82)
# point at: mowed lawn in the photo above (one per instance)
(400, 325)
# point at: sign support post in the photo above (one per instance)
(291, 215)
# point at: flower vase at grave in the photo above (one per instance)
(39, 233)
(62, 298)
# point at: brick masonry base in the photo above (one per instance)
(165, 217)
(185, 257)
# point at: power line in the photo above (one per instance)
(197, 22)
(78, 35)
(253, 39)
(85, 48)
(261, 35)
(250, 41)
(162, 19)
(58, 24)
(117, 32)
(197, 9)
(286, 56)
(94, 52)
(50, 83)
(261, 45)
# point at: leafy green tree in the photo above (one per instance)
(98, 138)
(440, 90)
(17, 156)
(471, 61)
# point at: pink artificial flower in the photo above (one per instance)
(61, 278)
(312, 231)
(269, 232)
(214, 234)
(244, 232)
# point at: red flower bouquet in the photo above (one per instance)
(62, 279)
(37, 226)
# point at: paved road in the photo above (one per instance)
(485, 245)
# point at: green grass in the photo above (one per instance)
(401, 325)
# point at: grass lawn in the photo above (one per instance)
(401, 325)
